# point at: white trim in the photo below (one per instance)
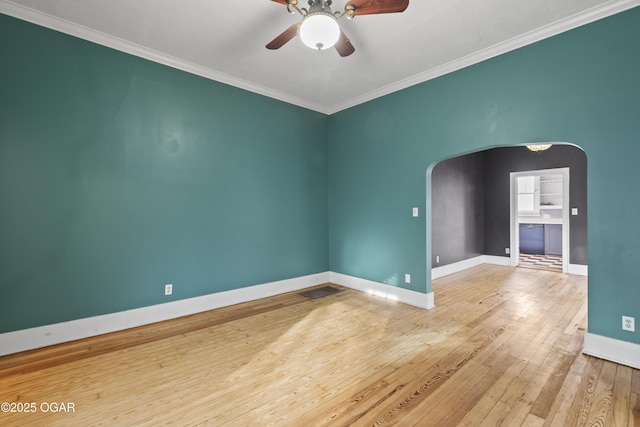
(614, 350)
(579, 269)
(406, 296)
(41, 336)
(577, 20)
(550, 30)
(497, 260)
(456, 267)
(67, 27)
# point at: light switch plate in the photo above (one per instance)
(574, 211)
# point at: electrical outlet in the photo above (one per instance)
(407, 278)
(628, 323)
(168, 289)
(437, 259)
(507, 251)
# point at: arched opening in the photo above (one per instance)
(469, 211)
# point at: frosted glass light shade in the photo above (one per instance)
(319, 31)
(538, 147)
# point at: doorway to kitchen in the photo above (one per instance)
(539, 236)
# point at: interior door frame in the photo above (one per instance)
(514, 229)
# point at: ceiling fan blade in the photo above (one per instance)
(344, 46)
(371, 7)
(284, 37)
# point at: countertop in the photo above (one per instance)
(540, 221)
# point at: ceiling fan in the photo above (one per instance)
(319, 28)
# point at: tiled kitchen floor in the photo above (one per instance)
(544, 262)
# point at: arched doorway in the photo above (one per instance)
(469, 203)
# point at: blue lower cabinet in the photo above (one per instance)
(553, 239)
(532, 239)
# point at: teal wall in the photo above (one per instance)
(118, 175)
(581, 87)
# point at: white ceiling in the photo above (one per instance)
(225, 40)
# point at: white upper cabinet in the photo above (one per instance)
(551, 191)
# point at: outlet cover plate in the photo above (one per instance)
(628, 323)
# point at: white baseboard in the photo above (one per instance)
(406, 296)
(456, 267)
(497, 260)
(618, 351)
(578, 269)
(41, 336)
(445, 270)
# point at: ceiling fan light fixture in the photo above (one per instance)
(319, 30)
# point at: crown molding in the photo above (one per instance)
(574, 21)
(550, 30)
(48, 21)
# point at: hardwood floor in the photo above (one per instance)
(502, 347)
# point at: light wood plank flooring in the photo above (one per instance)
(502, 347)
